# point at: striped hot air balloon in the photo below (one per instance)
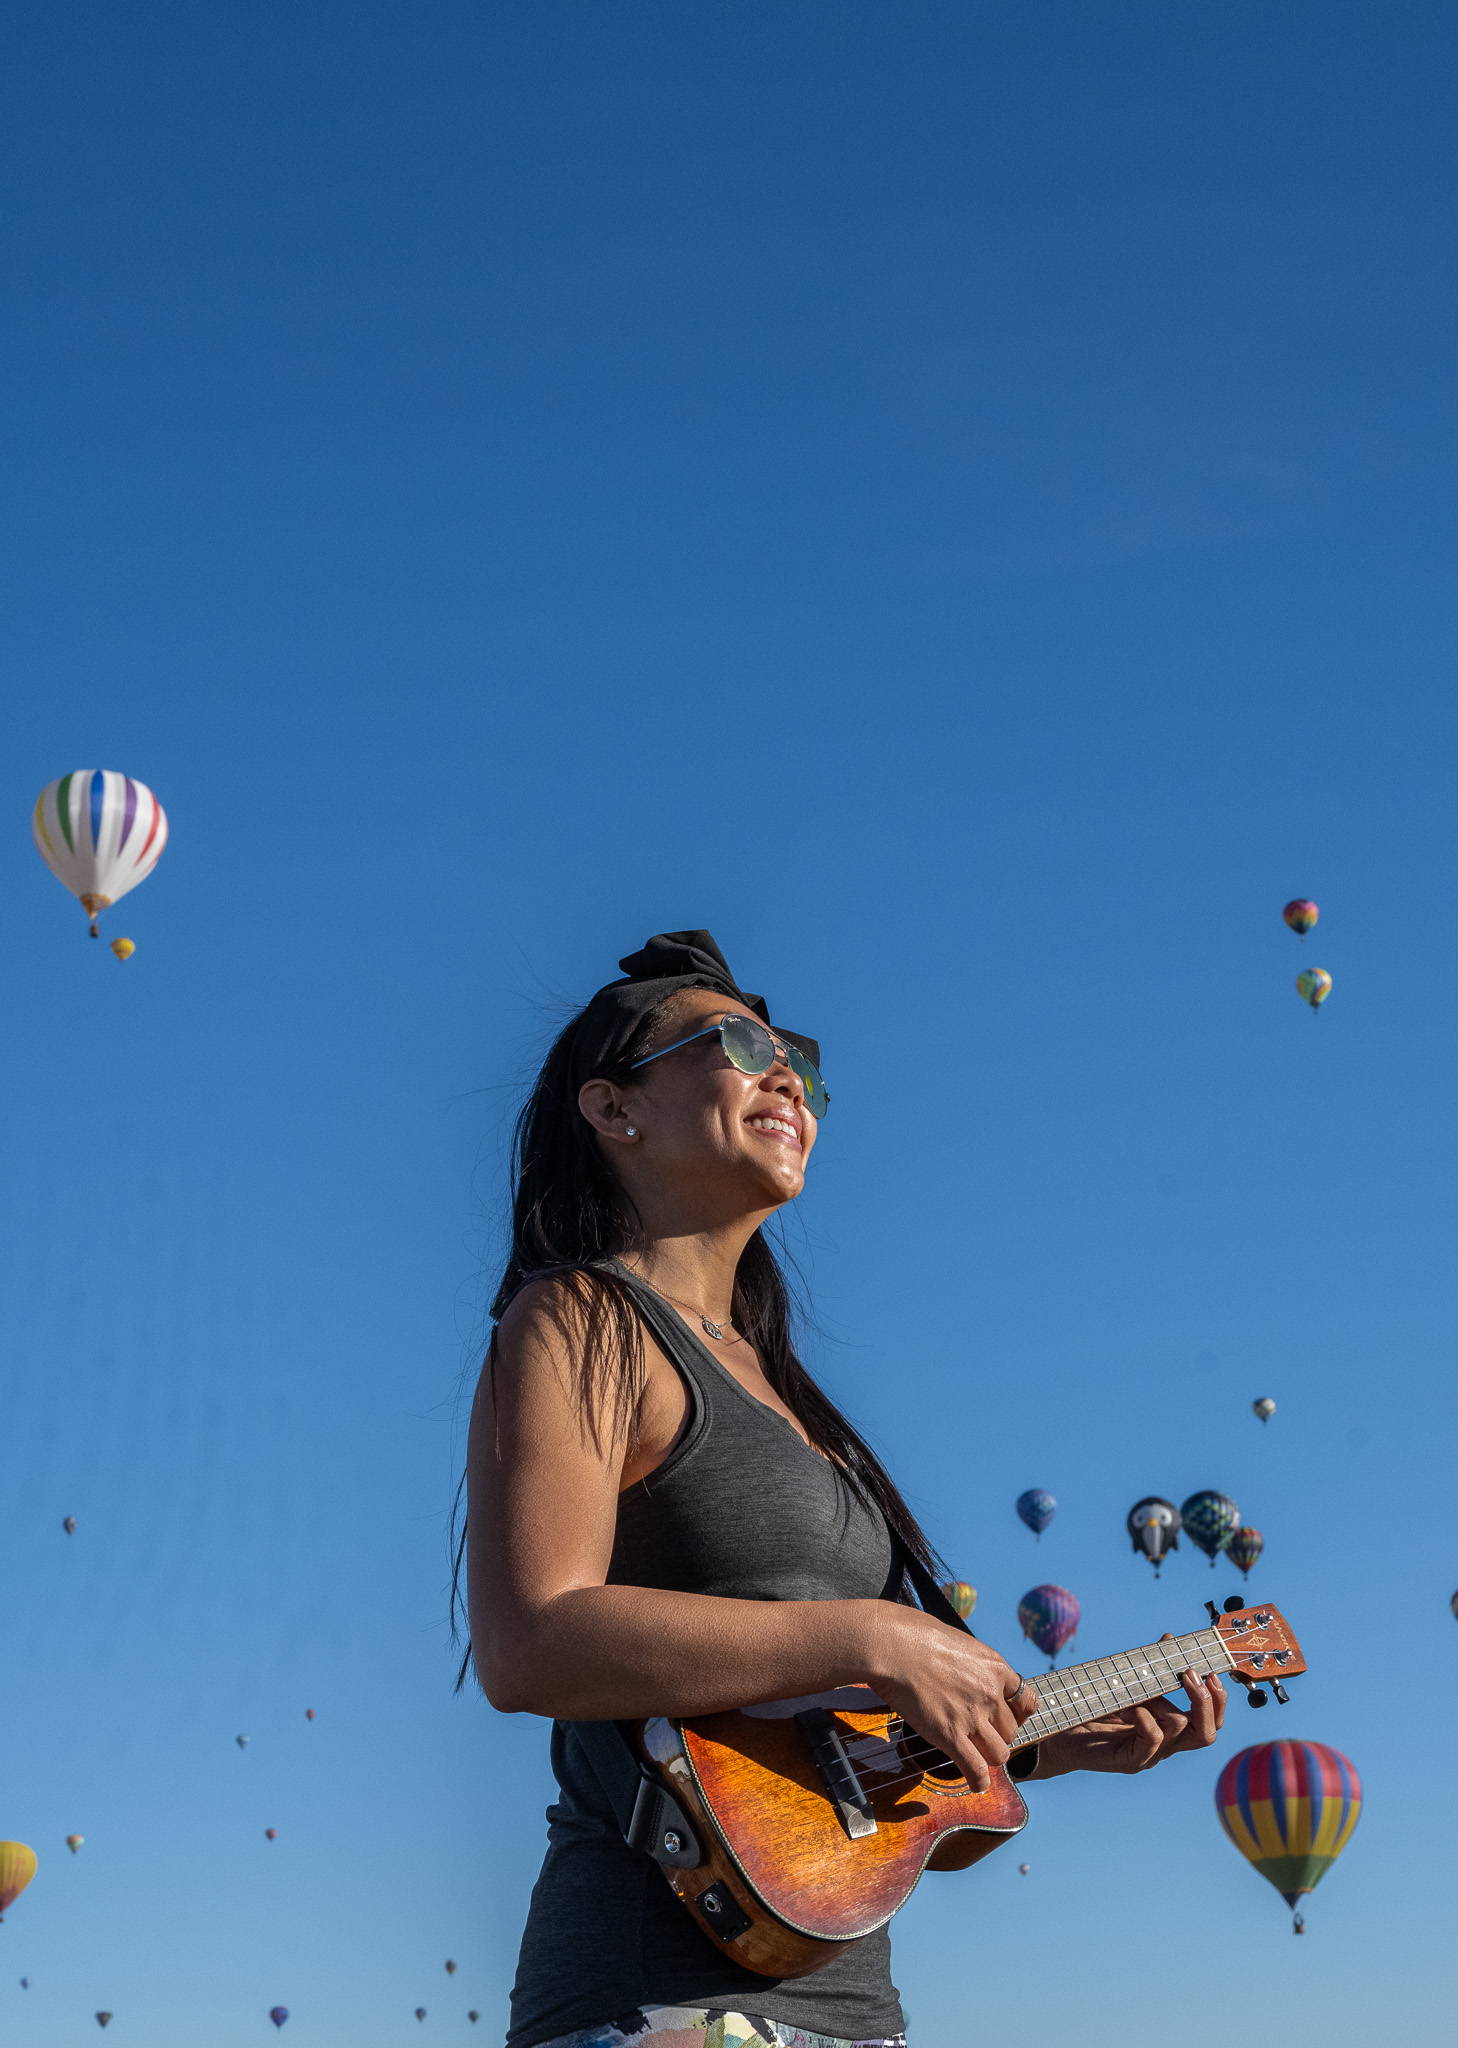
(99, 833)
(1290, 1808)
(1244, 1547)
(1314, 986)
(960, 1595)
(1301, 914)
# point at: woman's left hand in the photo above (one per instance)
(1139, 1737)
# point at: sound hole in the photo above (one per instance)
(934, 1763)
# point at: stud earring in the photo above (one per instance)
(632, 1133)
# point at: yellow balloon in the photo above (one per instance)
(123, 948)
(17, 1868)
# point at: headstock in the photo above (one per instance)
(1261, 1646)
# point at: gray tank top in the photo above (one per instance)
(742, 1508)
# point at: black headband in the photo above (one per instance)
(669, 961)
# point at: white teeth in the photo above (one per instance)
(773, 1123)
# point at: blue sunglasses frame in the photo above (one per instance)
(807, 1071)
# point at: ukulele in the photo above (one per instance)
(789, 1828)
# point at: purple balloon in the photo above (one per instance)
(1049, 1616)
(278, 2014)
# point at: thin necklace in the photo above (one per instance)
(715, 1330)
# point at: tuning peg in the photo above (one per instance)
(1255, 1697)
(1280, 1691)
(1212, 1610)
(1234, 1604)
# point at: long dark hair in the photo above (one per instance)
(568, 1210)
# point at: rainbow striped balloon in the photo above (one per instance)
(1290, 1808)
(99, 833)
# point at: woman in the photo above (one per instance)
(665, 1514)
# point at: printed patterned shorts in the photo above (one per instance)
(676, 2026)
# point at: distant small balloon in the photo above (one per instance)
(278, 2014)
(272, 1834)
(103, 2019)
(1301, 914)
(1023, 1869)
(473, 2015)
(123, 948)
(1244, 1547)
(69, 1525)
(1314, 986)
(25, 1983)
(420, 2012)
(308, 1713)
(1037, 1508)
(450, 1969)
(1265, 1407)
(1453, 1603)
(957, 1593)
(242, 1740)
(73, 1842)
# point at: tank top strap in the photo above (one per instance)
(666, 1327)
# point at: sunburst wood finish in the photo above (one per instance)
(800, 1857)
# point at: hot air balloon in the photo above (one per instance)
(242, 1740)
(17, 1868)
(25, 1983)
(103, 2019)
(1301, 914)
(1314, 986)
(450, 1969)
(123, 948)
(1245, 1546)
(69, 1525)
(1265, 1407)
(73, 1842)
(957, 1593)
(1290, 1808)
(1023, 1869)
(420, 2012)
(473, 2015)
(1049, 1617)
(308, 1713)
(271, 1833)
(1453, 1603)
(278, 2014)
(1154, 1528)
(1210, 1520)
(100, 833)
(1037, 1508)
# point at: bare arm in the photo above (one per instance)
(549, 1637)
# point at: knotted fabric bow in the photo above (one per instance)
(669, 961)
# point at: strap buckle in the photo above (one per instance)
(659, 1827)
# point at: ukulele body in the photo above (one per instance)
(814, 1822)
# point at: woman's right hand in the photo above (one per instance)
(956, 1693)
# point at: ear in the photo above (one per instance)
(605, 1106)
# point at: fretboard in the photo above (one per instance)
(1084, 1691)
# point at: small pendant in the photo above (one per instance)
(715, 1330)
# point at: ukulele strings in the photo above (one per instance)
(927, 1753)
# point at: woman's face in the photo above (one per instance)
(700, 1120)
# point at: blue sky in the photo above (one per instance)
(959, 502)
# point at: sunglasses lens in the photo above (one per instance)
(748, 1044)
(752, 1050)
(815, 1095)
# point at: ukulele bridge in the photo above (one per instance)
(847, 1794)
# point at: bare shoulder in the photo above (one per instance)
(539, 1378)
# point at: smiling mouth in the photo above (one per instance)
(783, 1137)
